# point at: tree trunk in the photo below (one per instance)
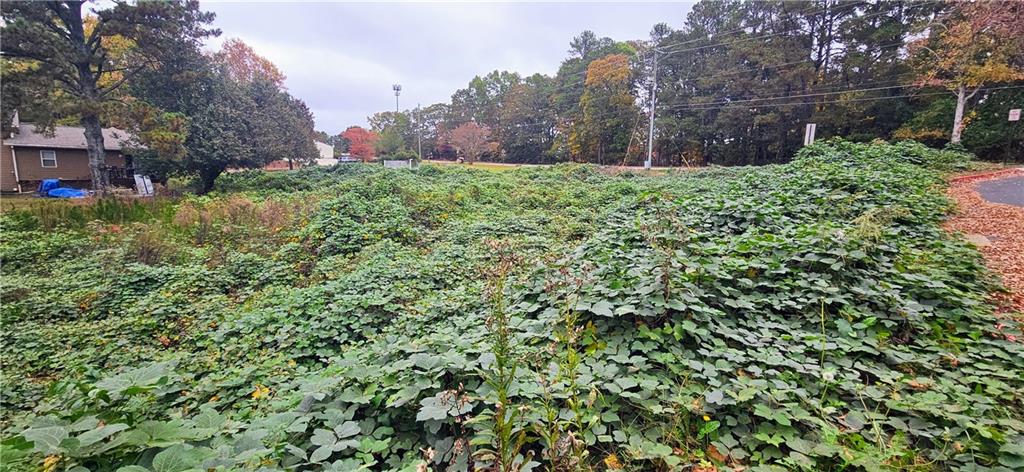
(958, 117)
(95, 149)
(206, 180)
(90, 96)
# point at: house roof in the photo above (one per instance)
(64, 137)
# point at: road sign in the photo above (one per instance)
(1015, 114)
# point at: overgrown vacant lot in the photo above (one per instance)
(807, 316)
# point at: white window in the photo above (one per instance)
(48, 158)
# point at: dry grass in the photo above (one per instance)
(495, 166)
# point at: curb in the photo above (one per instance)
(988, 175)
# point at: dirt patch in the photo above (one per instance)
(1002, 226)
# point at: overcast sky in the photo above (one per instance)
(341, 58)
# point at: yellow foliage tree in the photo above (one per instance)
(973, 44)
(607, 104)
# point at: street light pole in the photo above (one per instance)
(398, 89)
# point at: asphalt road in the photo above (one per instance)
(1009, 191)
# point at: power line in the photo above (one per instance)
(554, 122)
(895, 81)
(762, 67)
(572, 85)
(789, 16)
(575, 85)
(654, 83)
(674, 51)
(730, 102)
(845, 100)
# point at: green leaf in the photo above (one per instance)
(347, 429)
(658, 449)
(178, 458)
(707, 429)
(432, 408)
(90, 437)
(137, 380)
(602, 308)
(47, 439)
(323, 437)
(320, 454)
(714, 397)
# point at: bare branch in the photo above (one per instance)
(106, 90)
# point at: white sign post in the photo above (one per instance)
(144, 185)
(1015, 114)
(809, 134)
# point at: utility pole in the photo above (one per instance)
(650, 132)
(398, 89)
(419, 138)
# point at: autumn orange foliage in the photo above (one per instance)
(472, 140)
(361, 142)
(244, 65)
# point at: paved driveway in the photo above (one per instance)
(1009, 191)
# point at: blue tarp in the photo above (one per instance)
(67, 193)
(46, 185)
(51, 188)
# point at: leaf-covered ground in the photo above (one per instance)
(1001, 225)
(807, 316)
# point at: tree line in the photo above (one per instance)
(738, 81)
(734, 84)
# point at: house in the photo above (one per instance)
(29, 155)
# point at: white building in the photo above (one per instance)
(326, 154)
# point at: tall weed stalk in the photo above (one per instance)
(564, 445)
(507, 436)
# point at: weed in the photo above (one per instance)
(508, 432)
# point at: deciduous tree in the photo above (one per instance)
(609, 111)
(282, 127)
(244, 65)
(230, 123)
(399, 124)
(973, 44)
(389, 143)
(481, 100)
(361, 142)
(472, 140)
(526, 123)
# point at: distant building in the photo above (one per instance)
(326, 154)
(28, 156)
(326, 158)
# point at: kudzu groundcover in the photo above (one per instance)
(806, 316)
